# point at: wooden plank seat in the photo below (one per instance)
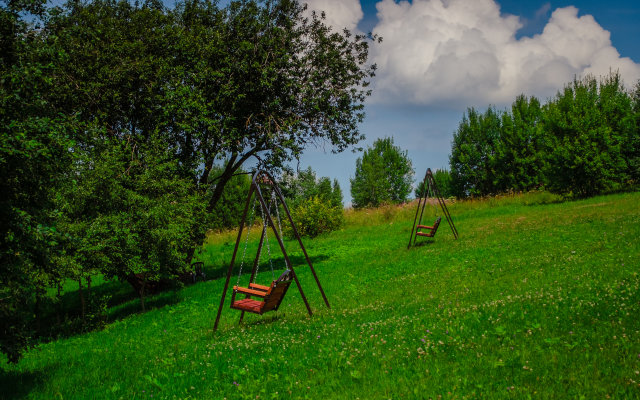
(271, 295)
(432, 229)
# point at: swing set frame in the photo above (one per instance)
(265, 178)
(429, 185)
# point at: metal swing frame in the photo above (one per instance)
(429, 185)
(264, 177)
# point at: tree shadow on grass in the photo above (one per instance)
(108, 302)
(17, 385)
(423, 243)
(299, 261)
(126, 309)
(264, 320)
(219, 271)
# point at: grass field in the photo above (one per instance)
(537, 299)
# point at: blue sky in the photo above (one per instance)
(439, 57)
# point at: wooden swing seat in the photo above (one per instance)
(271, 295)
(432, 229)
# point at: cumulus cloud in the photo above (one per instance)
(466, 52)
(340, 13)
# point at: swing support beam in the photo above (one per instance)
(255, 190)
(429, 185)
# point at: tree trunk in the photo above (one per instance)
(231, 167)
(144, 283)
(59, 305)
(36, 311)
(215, 197)
(89, 289)
(82, 302)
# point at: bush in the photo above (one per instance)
(314, 217)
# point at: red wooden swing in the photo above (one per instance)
(271, 295)
(430, 190)
(432, 229)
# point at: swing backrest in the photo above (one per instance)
(435, 226)
(277, 291)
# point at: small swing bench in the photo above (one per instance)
(272, 295)
(432, 229)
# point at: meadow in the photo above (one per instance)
(538, 298)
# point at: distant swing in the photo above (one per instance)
(259, 298)
(430, 191)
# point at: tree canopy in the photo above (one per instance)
(582, 142)
(384, 174)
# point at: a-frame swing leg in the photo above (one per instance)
(413, 238)
(424, 204)
(415, 219)
(429, 185)
(233, 257)
(284, 251)
(442, 203)
(304, 250)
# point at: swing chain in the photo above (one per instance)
(265, 232)
(246, 242)
(273, 199)
(273, 277)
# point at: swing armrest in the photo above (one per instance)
(259, 287)
(250, 292)
(424, 227)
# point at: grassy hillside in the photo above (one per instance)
(534, 300)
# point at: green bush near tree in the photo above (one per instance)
(315, 204)
(314, 217)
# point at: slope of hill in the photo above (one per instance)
(534, 299)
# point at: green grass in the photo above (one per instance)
(536, 299)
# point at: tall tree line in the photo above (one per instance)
(583, 142)
(122, 124)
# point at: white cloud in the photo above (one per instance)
(340, 13)
(465, 52)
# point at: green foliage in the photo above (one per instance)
(129, 214)
(315, 216)
(228, 211)
(518, 160)
(316, 205)
(587, 125)
(34, 143)
(384, 174)
(443, 181)
(305, 185)
(472, 153)
(581, 143)
(631, 149)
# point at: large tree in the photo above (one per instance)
(305, 185)
(517, 164)
(473, 153)
(631, 150)
(289, 82)
(256, 79)
(384, 174)
(587, 125)
(34, 140)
